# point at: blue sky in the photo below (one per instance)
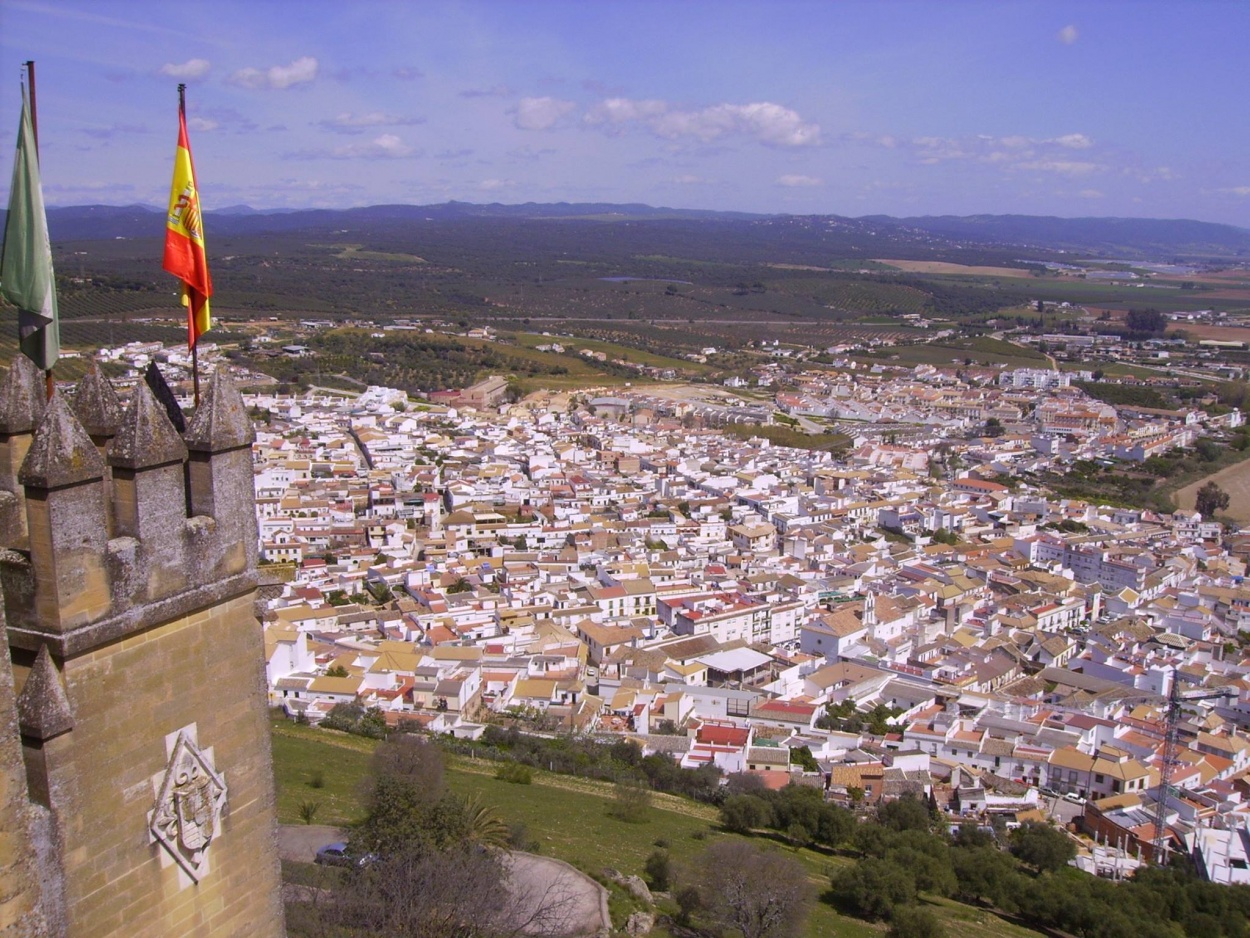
(850, 108)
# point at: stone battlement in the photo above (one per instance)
(111, 520)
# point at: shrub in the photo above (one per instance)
(1042, 847)
(760, 893)
(631, 803)
(689, 901)
(873, 888)
(519, 838)
(659, 870)
(909, 921)
(516, 773)
(742, 813)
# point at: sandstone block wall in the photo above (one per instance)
(136, 783)
(204, 669)
(21, 897)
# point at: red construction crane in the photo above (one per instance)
(1175, 699)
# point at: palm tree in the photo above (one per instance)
(484, 826)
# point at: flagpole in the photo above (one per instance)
(34, 129)
(34, 113)
(195, 346)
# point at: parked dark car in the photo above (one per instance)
(337, 855)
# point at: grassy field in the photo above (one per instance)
(1093, 293)
(302, 756)
(569, 819)
(982, 350)
(1111, 369)
(349, 252)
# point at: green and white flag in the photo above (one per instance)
(26, 278)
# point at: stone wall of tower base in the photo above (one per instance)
(129, 699)
(26, 911)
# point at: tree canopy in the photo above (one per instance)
(1210, 499)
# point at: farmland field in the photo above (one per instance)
(612, 350)
(943, 267)
(1234, 479)
(1200, 330)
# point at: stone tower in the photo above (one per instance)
(136, 783)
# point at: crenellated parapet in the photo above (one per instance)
(21, 409)
(111, 520)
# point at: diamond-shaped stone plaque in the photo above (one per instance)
(190, 796)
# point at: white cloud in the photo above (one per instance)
(349, 123)
(227, 120)
(1063, 167)
(936, 149)
(494, 185)
(768, 123)
(540, 113)
(108, 133)
(1073, 141)
(300, 71)
(200, 123)
(1242, 191)
(382, 147)
(528, 154)
(794, 181)
(191, 68)
(1068, 35)
(689, 179)
(624, 110)
(318, 185)
(1090, 194)
(1009, 152)
(495, 91)
(390, 145)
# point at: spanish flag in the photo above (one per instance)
(185, 256)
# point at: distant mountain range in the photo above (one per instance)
(1105, 237)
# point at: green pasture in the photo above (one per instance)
(570, 819)
(982, 350)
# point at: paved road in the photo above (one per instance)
(1062, 810)
(300, 842)
(552, 896)
(575, 905)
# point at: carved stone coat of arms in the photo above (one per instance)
(190, 796)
